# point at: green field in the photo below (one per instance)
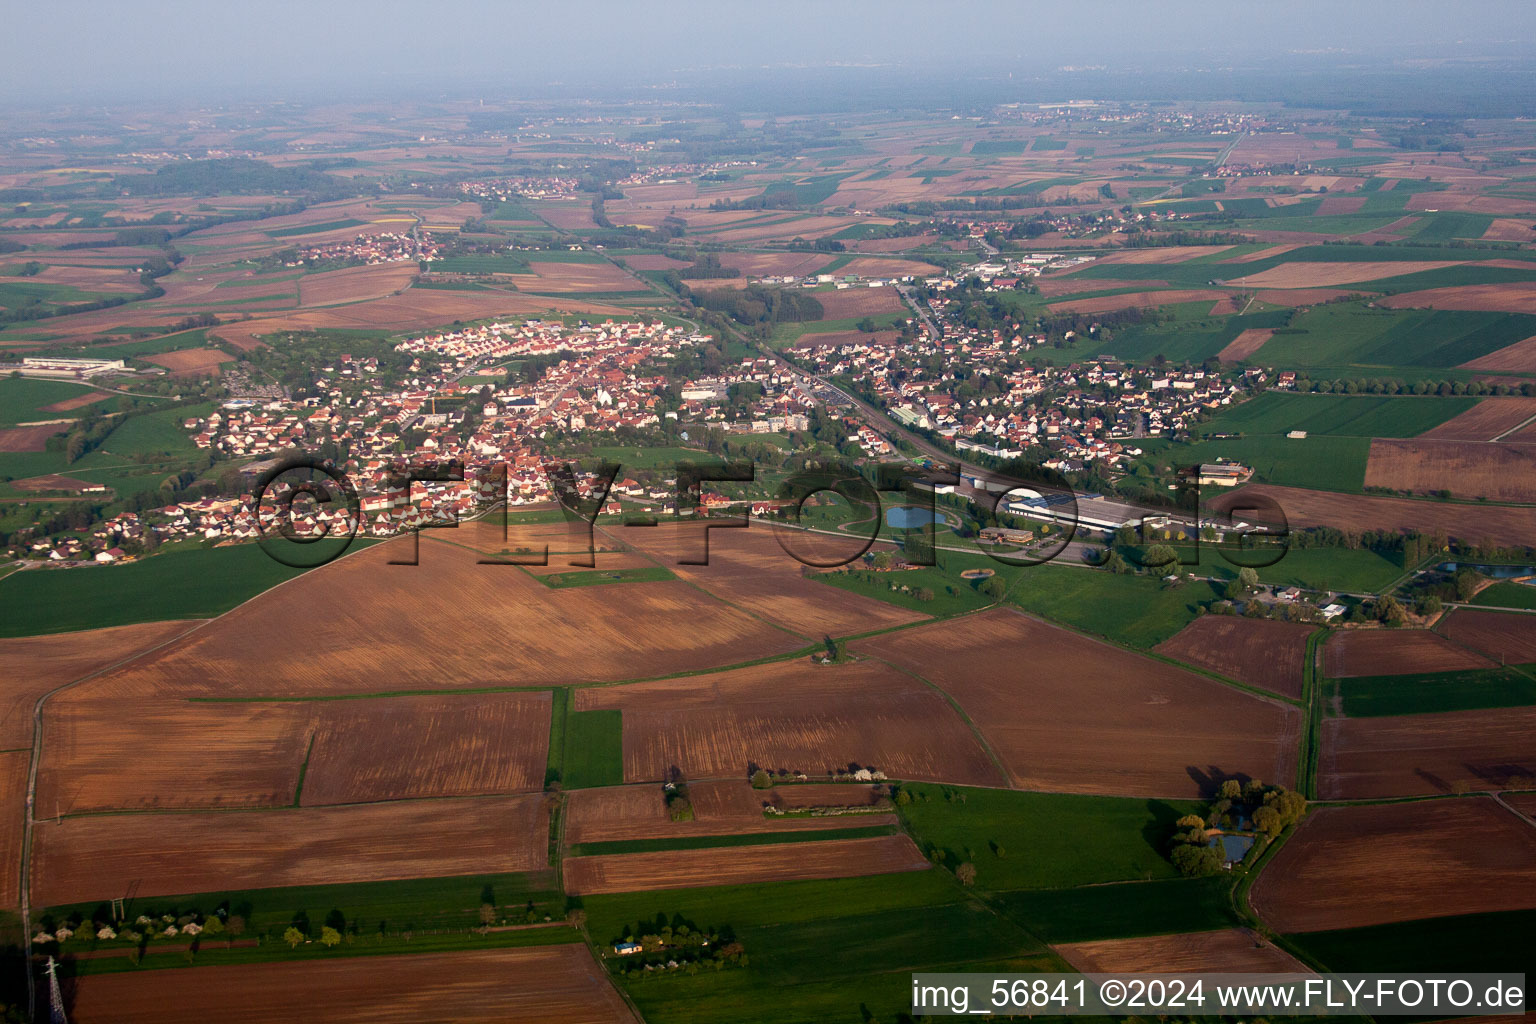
(1321, 462)
(819, 951)
(1470, 942)
(1392, 340)
(591, 744)
(1123, 911)
(22, 399)
(188, 584)
(1507, 595)
(601, 577)
(315, 229)
(507, 264)
(1139, 611)
(1422, 693)
(1278, 412)
(1043, 840)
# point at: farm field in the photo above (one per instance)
(1092, 718)
(721, 807)
(1499, 941)
(38, 664)
(1494, 525)
(524, 635)
(1277, 412)
(1124, 910)
(1364, 696)
(101, 857)
(1426, 755)
(13, 789)
(1485, 421)
(796, 716)
(1265, 653)
(750, 569)
(1236, 950)
(737, 865)
(1373, 652)
(553, 985)
(1428, 859)
(819, 949)
(427, 746)
(1043, 840)
(1506, 637)
(1468, 469)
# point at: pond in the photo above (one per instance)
(910, 517)
(1497, 572)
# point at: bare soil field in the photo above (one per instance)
(879, 245)
(798, 227)
(793, 715)
(742, 865)
(1266, 653)
(540, 985)
(36, 664)
(1494, 525)
(52, 482)
(577, 277)
(99, 857)
(1245, 344)
(13, 792)
(748, 568)
(1089, 717)
(856, 301)
(776, 264)
(576, 217)
(1505, 229)
(70, 404)
(1235, 950)
(1485, 420)
(427, 746)
(1505, 637)
(29, 439)
(720, 807)
(1427, 755)
(1517, 358)
(1348, 867)
(1468, 469)
(354, 284)
(419, 638)
(1391, 652)
(1332, 205)
(191, 360)
(1525, 802)
(87, 730)
(1132, 300)
(1327, 275)
(1512, 297)
(1164, 254)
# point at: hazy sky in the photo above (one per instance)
(69, 50)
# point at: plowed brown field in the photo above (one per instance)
(1427, 755)
(720, 807)
(546, 985)
(793, 715)
(1260, 652)
(1468, 469)
(742, 865)
(1505, 637)
(1067, 713)
(1237, 950)
(1348, 867)
(1393, 652)
(361, 625)
(419, 746)
(100, 857)
(1493, 525)
(1485, 420)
